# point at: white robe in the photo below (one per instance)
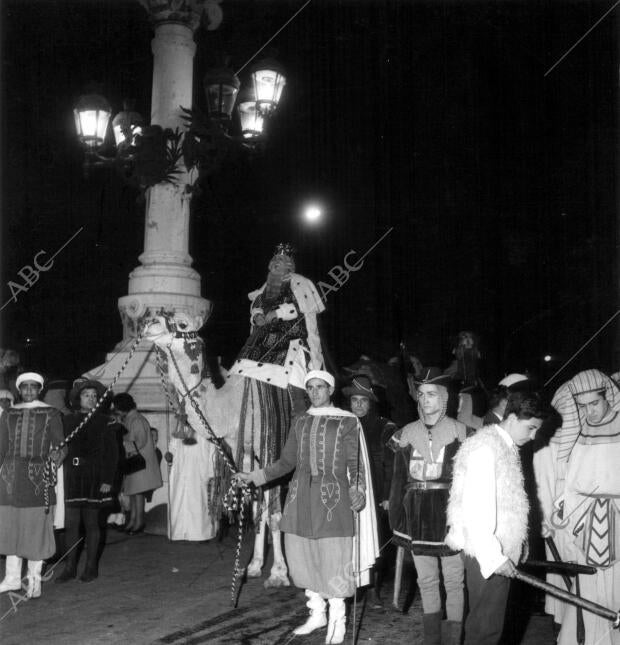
(189, 490)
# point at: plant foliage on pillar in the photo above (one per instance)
(151, 158)
(207, 145)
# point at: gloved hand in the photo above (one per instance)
(248, 478)
(546, 530)
(358, 499)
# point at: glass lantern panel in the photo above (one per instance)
(125, 122)
(252, 121)
(78, 127)
(268, 86)
(92, 126)
(119, 135)
(221, 99)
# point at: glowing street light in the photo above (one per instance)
(313, 213)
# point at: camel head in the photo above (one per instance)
(166, 326)
(176, 333)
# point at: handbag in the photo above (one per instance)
(134, 463)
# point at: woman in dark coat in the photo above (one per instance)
(90, 474)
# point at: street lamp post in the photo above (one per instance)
(165, 278)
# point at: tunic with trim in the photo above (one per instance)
(27, 435)
(418, 515)
(324, 452)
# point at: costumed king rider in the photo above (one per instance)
(284, 339)
(327, 451)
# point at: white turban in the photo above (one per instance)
(6, 394)
(29, 376)
(323, 375)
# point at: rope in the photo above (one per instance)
(594, 335)
(50, 469)
(277, 32)
(234, 500)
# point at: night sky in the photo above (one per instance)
(434, 118)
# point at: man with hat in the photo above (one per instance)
(418, 502)
(327, 452)
(499, 396)
(377, 432)
(29, 433)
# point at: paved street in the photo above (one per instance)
(154, 591)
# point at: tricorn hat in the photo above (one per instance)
(433, 376)
(360, 386)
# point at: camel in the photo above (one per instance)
(181, 357)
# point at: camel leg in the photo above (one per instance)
(279, 571)
(398, 575)
(255, 566)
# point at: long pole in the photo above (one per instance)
(571, 598)
(580, 626)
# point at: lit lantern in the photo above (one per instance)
(269, 81)
(221, 86)
(92, 115)
(127, 124)
(252, 121)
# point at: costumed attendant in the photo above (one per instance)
(579, 485)
(6, 400)
(377, 432)
(425, 451)
(327, 451)
(487, 513)
(90, 473)
(28, 433)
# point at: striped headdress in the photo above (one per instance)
(572, 418)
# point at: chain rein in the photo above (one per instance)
(50, 469)
(235, 500)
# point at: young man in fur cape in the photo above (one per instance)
(327, 451)
(487, 513)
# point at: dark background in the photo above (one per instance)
(434, 118)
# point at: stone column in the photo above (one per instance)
(164, 278)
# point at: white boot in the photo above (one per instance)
(337, 625)
(34, 578)
(317, 618)
(13, 574)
